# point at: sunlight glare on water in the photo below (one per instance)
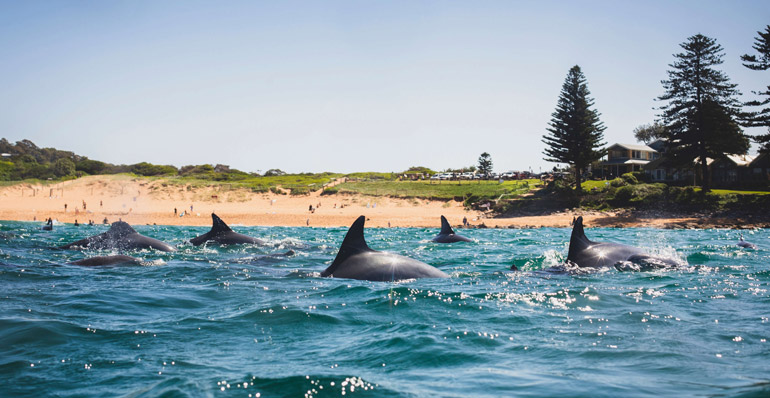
(258, 321)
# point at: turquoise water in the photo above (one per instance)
(234, 321)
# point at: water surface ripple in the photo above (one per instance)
(248, 320)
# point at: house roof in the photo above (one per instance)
(739, 160)
(633, 147)
(625, 161)
(763, 159)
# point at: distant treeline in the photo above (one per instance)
(25, 160)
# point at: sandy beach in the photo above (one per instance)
(147, 201)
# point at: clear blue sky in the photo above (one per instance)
(341, 85)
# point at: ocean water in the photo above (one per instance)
(249, 321)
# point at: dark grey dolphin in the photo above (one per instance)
(447, 235)
(746, 245)
(222, 234)
(106, 260)
(585, 253)
(120, 236)
(356, 260)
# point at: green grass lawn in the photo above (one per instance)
(735, 192)
(444, 190)
(311, 182)
(600, 185)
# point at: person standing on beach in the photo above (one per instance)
(175, 211)
(65, 207)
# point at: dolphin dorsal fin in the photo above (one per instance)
(446, 229)
(218, 225)
(353, 243)
(578, 241)
(120, 228)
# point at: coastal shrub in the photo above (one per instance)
(623, 195)
(330, 191)
(63, 167)
(300, 191)
(689, 197)
(648, 194)
(31, 169)
(149, 169)
(6, 168)
(682, 195)
(277, 191)
(260, 189)
(91, 166)
(630, 178)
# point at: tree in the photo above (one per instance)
(648, 133)
(485, 164)
(576, 133)
(274, 172)
(701, 109)
(760, 118)
(63, 167)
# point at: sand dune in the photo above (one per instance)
(148, 201)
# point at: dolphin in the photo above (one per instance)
(746, 245)
(106, 260)
(587, 254)
(356, 260)
(222, 234)
(122, 237)
(447, 235)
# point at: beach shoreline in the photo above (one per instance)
(141, 201)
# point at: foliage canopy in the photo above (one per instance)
(576, 133)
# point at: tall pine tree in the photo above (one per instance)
(576, 133)
(485, 164)
(701, 109)
(761, 62)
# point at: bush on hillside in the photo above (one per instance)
(330, 191)
(300, 191)
(63, 167)
(630, 178)
(148, 169)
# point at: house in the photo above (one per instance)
(759, 170)
(625, 158)
(730, 171)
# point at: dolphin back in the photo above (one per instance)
(354, 243)
(120, 236)
(223, 234)
(578, 242)
(446, 229)
(356, 260)
(447, 234)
